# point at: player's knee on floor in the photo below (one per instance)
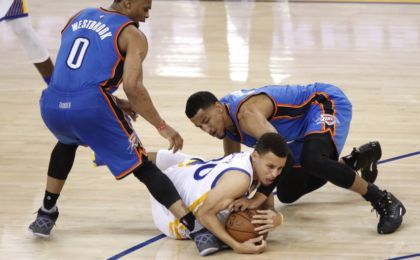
(158, 184)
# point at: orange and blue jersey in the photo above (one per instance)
(298, 111)
(89, 56)
(17, 9)
(78, 107)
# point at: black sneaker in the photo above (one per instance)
(365, 158)
(206, 242)
(391, 212)
(43, 223)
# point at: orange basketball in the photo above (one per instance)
(239, 226)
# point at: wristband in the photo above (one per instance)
(161, 126)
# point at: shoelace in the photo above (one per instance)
(380, 205)
(36, 212)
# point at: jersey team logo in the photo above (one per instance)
(134, 141)
(327, 119)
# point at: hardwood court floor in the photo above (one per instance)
(370, 50)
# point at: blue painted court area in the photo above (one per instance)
(159, 237)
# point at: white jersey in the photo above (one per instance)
(193, 179)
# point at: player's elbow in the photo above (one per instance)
(135, 91)
(199, 215)
(202, 216)
(130, 87)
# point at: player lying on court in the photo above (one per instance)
(210, 187)
(315, 121)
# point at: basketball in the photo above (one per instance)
(239, 226)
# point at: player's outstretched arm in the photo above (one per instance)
(134, 43)
(230, 146)
(232, 185)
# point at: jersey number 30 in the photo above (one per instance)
(77, 53)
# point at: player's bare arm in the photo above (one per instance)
(232, 185)
(230, 146)
(134, 43)
(245, 203)
(253, 116)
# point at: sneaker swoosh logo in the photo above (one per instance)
(371, 167)
(400, 211)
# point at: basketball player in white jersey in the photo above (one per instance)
(209, 188)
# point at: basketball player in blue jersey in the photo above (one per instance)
(15, 14)
(100, 48)
(315, 121)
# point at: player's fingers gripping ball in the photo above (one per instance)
(239, 226)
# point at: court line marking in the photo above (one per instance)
(404, 257)
(159, 237)
(137, 247)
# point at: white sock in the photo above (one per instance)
(52, 210)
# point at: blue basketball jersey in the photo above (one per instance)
(298, 111)
(89, 56)
(78, 107)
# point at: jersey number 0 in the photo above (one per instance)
(77, 53)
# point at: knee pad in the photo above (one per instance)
(61, 162)
(158, 184)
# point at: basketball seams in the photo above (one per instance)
(239, 225)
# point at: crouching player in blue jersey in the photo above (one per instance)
(210, 187)
(99, 49)
(315, 121)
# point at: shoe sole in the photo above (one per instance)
(209, 251)
(39, 234)
(371, 173)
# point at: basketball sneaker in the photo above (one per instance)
(365, 158)
(390, 211)
(43, 223)
(206, 242)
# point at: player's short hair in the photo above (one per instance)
(272, 142)
(199, 100)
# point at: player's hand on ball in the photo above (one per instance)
(240, 204)
(252, 246)
(243, 204)
(268, 219)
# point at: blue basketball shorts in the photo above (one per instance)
(330, 113)
(92, 118)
